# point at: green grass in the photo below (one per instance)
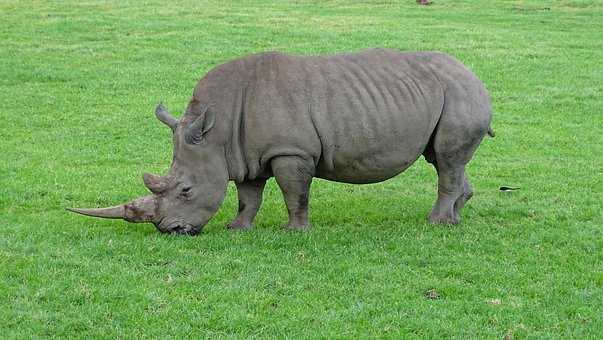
(79, 82)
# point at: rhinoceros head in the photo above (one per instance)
(189, 195)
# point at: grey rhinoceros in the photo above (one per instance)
(354, 118)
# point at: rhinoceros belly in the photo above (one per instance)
(358, 158)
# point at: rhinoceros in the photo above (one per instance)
(355, 118)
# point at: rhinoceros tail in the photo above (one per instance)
(491, 132)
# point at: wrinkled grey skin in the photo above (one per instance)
(354, 118)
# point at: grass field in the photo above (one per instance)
(79, 81)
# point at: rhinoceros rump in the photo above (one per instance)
(354, 118)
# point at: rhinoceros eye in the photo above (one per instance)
(186, 192)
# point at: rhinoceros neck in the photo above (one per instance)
(224, 87)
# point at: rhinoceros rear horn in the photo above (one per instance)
(154, 182)
(165, 116)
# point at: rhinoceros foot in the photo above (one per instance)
(239, 225)
(444, 219)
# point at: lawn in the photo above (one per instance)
(79, 81)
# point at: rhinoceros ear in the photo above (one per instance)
(165, 117)
(199, 127)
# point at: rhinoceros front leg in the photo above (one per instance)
(250, 199)
(294, 176)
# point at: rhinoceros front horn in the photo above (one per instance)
(110, 212)
(138, 210)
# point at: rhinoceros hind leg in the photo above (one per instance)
(454, 189)
(441, 212)
(250, 199)
(450, 188)
(294, 176)
(464, 121)
(465, 196)
(449, 155)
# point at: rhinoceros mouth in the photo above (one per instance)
(179, 228)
